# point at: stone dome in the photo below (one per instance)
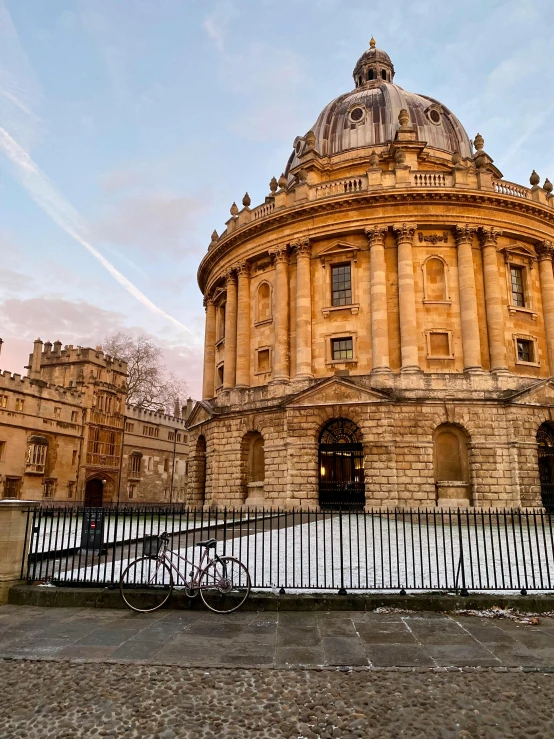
(368, 116)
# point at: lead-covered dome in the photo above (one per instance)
(368, 116)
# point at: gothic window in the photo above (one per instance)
(341, 284)
(36, 455)
(264, 302)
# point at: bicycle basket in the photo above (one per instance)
(151, 546)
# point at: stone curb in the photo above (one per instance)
(33, 595)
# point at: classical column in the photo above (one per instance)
(545, 253)
(493, 299)
(378, 296)
(230, 361)
(281, 323)
(303, 309)
(209, 349)
(406, 297)
(468, 298)
(243, 325)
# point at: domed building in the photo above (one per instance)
(380, 331)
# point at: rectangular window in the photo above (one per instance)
(179, 438)
(19, 403)
(74, 458)
(129, 427)
(166, 465)
(263, 360)
(525, 351)
(341, 285)
(220, 330)
(74, 416)
(131, 490)
(57, 412)
(49, 488)
(171, 435)
(518, 293)
(342, 349)
(70, 489)
(3, 401)
(11, 487)
(220, 375)
(134, 464)
(2, 450)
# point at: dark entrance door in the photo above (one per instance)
(93, 493)
(545, 440)
(341, 466)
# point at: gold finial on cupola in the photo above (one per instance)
(372, 43)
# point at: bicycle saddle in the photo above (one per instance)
(209, 543)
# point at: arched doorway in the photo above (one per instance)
(545, 441)
(94, 490)
(341, 465)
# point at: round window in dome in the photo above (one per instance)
(356, 114)
(434, 116)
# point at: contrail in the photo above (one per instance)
(43, 192)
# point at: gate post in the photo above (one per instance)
(15, 535)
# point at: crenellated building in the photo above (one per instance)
(380, 331)
(66, 433)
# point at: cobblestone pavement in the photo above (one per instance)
(70, 673)
(67, 700)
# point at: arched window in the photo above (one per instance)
(451, 465)
(383, 74)
(264, 302)
(36, 455)
(434, 280)
(371, 75)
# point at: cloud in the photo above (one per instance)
(122, 179)
(150, 223)
(217, 23)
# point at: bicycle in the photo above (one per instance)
(146, 583)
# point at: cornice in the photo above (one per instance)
(309, 210)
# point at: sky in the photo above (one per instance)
(129, 127)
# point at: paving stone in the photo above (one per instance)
(344, 650)
(462, 655)
(399, 655)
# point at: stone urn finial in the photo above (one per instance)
(548, 186)
(234, 211)
(534, 179)
(479, 142)
(374, 159)
(273, 185)
(310, 139)
(282, 181)
(403, 117)
(215, 236)
(456, 158)
(246, 200)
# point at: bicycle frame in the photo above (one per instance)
(205, 560)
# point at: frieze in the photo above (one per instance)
(433, 238)
(286, 215)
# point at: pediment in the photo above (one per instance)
(337, 391)
(201, 412)
(541, 393)
(519, 250)
(339, 249)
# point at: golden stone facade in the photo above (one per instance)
(381, 328)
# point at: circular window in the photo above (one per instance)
(434, 116)
(356, 114)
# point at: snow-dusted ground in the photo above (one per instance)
(381, 553)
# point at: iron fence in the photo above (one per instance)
(372, 550)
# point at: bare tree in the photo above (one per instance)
(149, 384)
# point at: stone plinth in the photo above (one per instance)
(14, 542)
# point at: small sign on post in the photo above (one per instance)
(92, 532)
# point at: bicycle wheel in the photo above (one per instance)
(146, 584)
(224, 585)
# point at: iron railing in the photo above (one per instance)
(374, 550)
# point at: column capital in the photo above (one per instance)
(230, 275)
(464, 233)
(242, 269)
(488, 235)
(545, 251)
(303, 248)
(404, 231)
(376, 235)
(208, 299)
(280, 254)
